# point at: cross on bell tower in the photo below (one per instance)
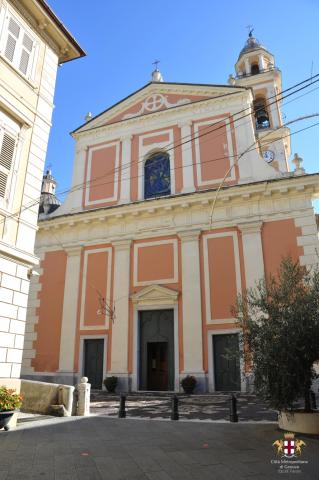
(255, 68)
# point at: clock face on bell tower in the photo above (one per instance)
(268, 156)
(255, 68)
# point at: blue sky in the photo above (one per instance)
(197, 42)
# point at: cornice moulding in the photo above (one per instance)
(286, 188)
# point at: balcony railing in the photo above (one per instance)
(265, 70)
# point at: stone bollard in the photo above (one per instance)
(122, 411)
(174, 412)
(84, 389)
(233, 417)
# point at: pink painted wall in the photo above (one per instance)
(155, 263)
(102, 174)
(96, 282)
(279, 239)
(156, 139)
(213, 150)
(48, 328)
(222, 276)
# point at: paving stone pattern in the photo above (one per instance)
(191, 407)
(103, 448)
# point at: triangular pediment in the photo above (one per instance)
(155, 295)
(154, 97)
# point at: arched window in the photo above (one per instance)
(157, 175)
(254, 69)
(261, 114)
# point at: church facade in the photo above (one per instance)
(181, 198)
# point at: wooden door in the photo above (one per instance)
(93, 362)
(226, 362)
(157, 366)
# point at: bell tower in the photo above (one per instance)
(48, 200)
(256, 68)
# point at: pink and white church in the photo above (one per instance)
(181, 198)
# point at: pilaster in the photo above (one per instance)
(119, 354)
(187, 159)
(253, 252)
(74, 198)
(69, 315)
(261, 62)
(247, 66)
(126, 169)
(191, 298)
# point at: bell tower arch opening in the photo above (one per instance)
(255, 68)
(261, 113)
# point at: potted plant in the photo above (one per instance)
(189, 383)
(9, 401)
(110, 383)
(280, 324)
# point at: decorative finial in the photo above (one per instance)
(231, 79)
(250, 30)
(297, 161)
(156, 74)
(88, 117)
(49, 169)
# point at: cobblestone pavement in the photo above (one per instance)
(194, 407)
(104, 448)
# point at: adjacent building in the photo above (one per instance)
(33, 41)
(181, 198)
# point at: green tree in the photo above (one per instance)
(280, 322)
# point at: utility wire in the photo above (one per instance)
(88, 182)
(84, 184)
(192, 137)
(251, 149)
(309, 79)
(214, 124)
(240, 156)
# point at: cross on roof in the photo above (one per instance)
(156, 62)
(250, 30)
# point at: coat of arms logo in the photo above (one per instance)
(289, 447)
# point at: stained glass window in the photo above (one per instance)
(157, 176)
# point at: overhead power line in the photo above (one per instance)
(194, 137)
(84, 184)
(139, 176)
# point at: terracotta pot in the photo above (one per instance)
(5, 418)
(299, 422)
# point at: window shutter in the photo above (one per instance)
(25, 53)
(6, 159)
(13, 35)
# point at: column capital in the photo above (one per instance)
(122, 244)
(81, 148)
(126, 138)
(189, 235)
(184, 123)
(73, 250)
(250, 227)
